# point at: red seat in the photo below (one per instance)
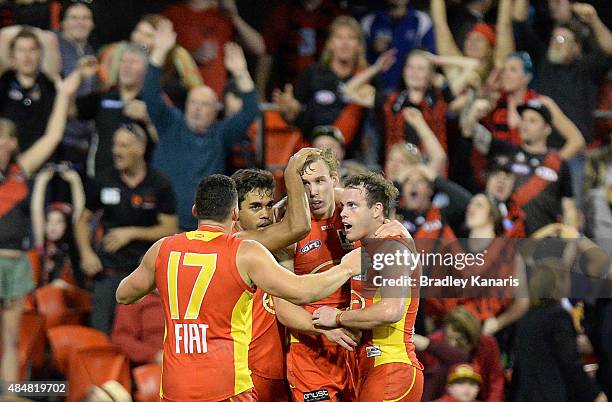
(95, 365)
(148, 380)
(65, 338)
(60, 306)
(32, 344)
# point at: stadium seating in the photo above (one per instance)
(66, 338)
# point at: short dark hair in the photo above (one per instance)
(378, 189)
(68, 5)
(248, 180)
(25, 33)
(215, 198)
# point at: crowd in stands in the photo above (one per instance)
(492, 117)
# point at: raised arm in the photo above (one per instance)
(45, 146)
(445, 43)
(588, 14)
(435, 152)
(51, 62)
(141, 281)
(296, 221)
(249, 37)
(37, 205)
(574, 141)
(352, 88)
(258, 266)
(504, 42)
(77, 193)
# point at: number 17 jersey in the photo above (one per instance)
(208, 316)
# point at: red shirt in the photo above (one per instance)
(139, 329)
(211, 28)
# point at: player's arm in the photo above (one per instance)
(296, 221)
(388, 310)
(257, 265)
(142, 280)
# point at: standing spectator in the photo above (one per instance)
(463, 17)
(77, 25)
(318, 99)
(138, 208)
(138, 330)
(204, 27)
(25, 91)
(53, 228)
(194, 145)
(15, 169)
(117, 106)
(462, 385)
(547, 365)
(180, 73)
(543, 188)
(399, 27)
(460, 341)
(294, 35)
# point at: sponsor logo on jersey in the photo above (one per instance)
(311, 245)
(373, 351)
(547, 173)
(110, 196)
(325, 97)
(317, 395)
(431, 226)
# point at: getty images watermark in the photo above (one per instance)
(473, 268)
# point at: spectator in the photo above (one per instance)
(400, 157)
(195, 145)
(464, 16)
(15, 270)
(431, 207)
(53, 228)
(461, 342)
(318, 98)
(547, 365)
(203, 27)
(180, 73)
(294, 34)
(74, 43)
(598, 191)
(399, 27)
(138, 330)
(25, 91)
(463, 384)
(329, 137)
(543, 188)
(138, 208)
(490, 47)
(116, 106)
(499, 187)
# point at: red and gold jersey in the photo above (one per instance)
(266, 353)
(386, 343)
(208, 316)
(322, 249)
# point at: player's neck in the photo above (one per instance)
(226, 227)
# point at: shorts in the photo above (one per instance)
(246, 396)
(320, 374)
(397, 382)
(270, 390)
(15, 278)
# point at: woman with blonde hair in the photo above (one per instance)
(318, 99)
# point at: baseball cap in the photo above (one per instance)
(537, 106)
(464, 372)
(329, 131)
(486, 31)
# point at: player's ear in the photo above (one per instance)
(235, 214)
(335, 180)
(193, 211)
(378, 210)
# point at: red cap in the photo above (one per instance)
(486, 30)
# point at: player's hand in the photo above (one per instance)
(117, 238)
(90, 263)
(392, 228)
(353, 261)
(137, 110)
(296, 162)
(420, 342)
(490, 326)
(343, 337)
(325, 317)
